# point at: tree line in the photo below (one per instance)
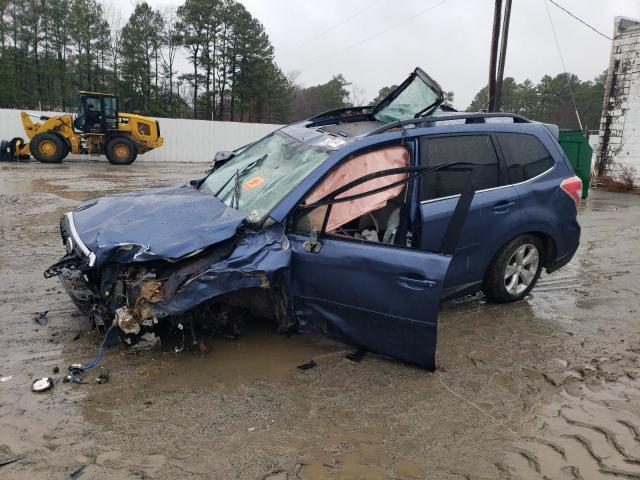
(550, 100)
(50, 49)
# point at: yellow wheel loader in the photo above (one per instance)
(97, 129)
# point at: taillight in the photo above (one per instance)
(573, 187)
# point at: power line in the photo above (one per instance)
(331, 29)
(370, 37)
(581, 21)
(553, 29)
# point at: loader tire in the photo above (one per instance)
(5, 153)
(48, 148)
(121, 151)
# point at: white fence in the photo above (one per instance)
(184, 140)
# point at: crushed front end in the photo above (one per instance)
(203, 290)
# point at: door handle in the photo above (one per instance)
(503, 206)
(417, 283)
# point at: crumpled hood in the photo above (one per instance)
(160, 223)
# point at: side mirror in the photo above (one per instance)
(220, 159)
(222, 156)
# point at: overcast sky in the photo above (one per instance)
(374, 43)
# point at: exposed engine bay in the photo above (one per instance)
(158, 297)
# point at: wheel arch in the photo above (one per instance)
(545, 236)
(120, 134)
(64, 139)
(117, 134)
(55, 132)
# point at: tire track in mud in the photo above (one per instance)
(592, 432)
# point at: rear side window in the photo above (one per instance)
(526, 157)
(476, 149)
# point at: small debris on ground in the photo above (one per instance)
(42, 384)
(77, 472)
(277, 475)
(41, 317)
(56, 370)
(77, 337)
(6, 379)
(307, 366)
(356, 356)
(103, 376)
(148, 403)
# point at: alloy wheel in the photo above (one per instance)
(521, 269)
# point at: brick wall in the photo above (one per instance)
(619, 137)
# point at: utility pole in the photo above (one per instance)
(497, 102)
(494, 94)
(494, 55)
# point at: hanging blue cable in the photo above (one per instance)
(77, 370)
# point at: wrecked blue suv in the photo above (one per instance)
(356, 223)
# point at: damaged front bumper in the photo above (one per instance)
(142, 296)
(73, 242)
(78, 256)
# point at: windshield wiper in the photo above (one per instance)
(236, 192)
(255, 163)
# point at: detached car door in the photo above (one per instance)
(381, 297)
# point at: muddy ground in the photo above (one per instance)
(557, 374)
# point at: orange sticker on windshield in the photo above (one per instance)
(252, 183)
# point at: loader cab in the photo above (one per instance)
(97, 112)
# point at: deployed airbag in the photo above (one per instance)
(357, 167)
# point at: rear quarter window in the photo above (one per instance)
(525, 156)
(476, 149)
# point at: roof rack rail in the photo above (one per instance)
(476, 117)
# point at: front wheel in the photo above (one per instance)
(48, 147)
(121, 151)
(515, 270)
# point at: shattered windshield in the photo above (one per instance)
(258, 178)
(415, 98)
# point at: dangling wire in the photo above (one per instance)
(553, 29)
(77, 370)
(581, 21)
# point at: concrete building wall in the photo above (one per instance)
(184, 140)
(619, 137)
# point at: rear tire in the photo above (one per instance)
(121, 151)
(515, 270)
(48, 148)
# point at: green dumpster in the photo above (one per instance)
(575, 144)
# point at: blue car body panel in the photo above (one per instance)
(153, 224)
(254, 261)
(479, 235)
(384, 299)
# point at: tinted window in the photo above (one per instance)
(525, 155)
(110, 106)
(476, 149)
